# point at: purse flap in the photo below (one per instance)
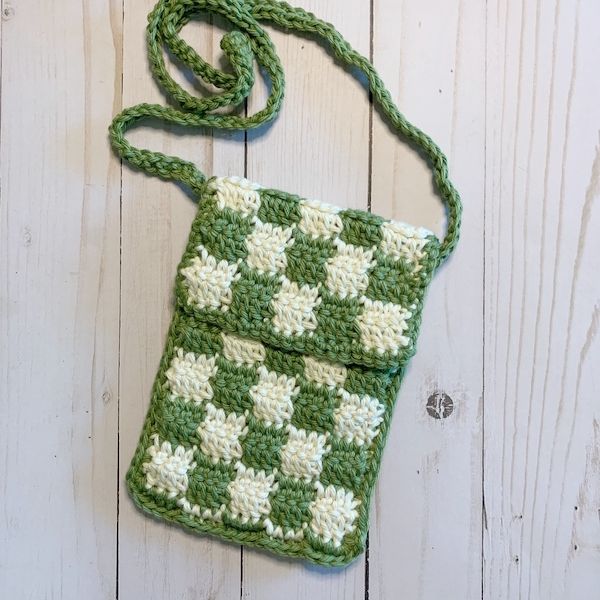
(342, 285)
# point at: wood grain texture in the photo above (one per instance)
(542, 298)
(501, 499)
(60, 300)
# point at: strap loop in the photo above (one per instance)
(247, 42)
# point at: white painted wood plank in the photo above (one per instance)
(318, 148)
(425, 539)
(542, 299)
(59, 232)
(158, 560)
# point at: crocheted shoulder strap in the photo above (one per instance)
(248, 42)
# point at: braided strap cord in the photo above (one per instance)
(248, 42)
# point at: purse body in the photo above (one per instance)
(294, 321)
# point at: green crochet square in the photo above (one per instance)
(271, 407)
(290, 508)
(361, 228)
(307, 260)
(344, 465)
(262, 446)
(179, 421)
(313, 408)
(338, 316)
(231, 386)
(223, 232)
(202, 338)
(396, 283)
(253, 291)
(208, 484)
(278, 207)
(283, 362)
(370, 382)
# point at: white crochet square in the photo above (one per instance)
(347, 270)
(208, 281)
(249, 493)
(236, 193)
(277, 531)
(189, 376)
(293, 308)
(400, 240)
(382, 326)
(220, 434)
(266, 246)
(323, 372)
(242, 351)
(167, 471)
(272, 397)
(302, 454)
(319, 219)
(357, 418)
(333, 514)
(205, 514)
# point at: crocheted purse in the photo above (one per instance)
(293, 323)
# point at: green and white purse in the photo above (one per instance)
(293, 323)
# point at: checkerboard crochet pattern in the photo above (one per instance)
(293, 325)
(273, 400)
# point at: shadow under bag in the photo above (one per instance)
(293, 323)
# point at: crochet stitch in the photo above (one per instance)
(294, 321)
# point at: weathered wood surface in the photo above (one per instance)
(498, 500)
(542, 298)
